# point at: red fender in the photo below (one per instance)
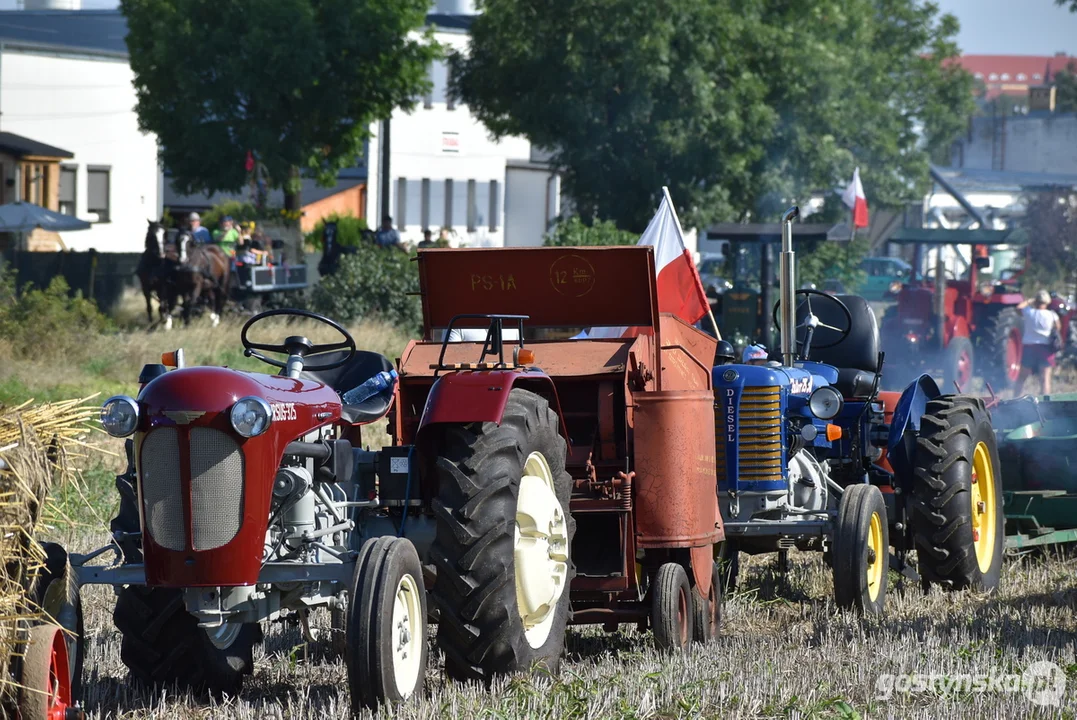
(481, 396)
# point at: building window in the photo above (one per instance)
(482, 204)
(1022, 77)
(1005, 77)
(97, 193)
(413, 216)
(68, 182)
(472, 210)
(425, 219)
(1037, 76)
(401, 203)
(448, 203)
(993, 77)
(428, 98)
(979, 76)
(437, 206)
(495, 205)
(459, 205)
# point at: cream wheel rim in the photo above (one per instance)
(540, 550)
(223, 635)
(406, 635)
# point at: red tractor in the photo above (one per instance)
(955, 323)
(248, 499)
(565, 480)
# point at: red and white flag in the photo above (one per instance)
(680, 290)
(854, 198)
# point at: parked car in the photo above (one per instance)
(885, 275)
(711, 273)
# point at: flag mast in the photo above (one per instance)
(680, 233)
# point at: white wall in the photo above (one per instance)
(85, 105)
(419, 150)
(1041, 143)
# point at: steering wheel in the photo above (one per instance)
(813, 324)
(297, 344)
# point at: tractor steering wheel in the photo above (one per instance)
(297, 344)
(812, 324)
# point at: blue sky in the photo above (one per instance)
(988, 27)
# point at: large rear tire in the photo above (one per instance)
(502, 542)
(1000, 349)
(956, 519)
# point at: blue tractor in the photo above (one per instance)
(812, 456)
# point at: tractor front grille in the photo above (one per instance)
(759, 436)
(216, 488)
(216, 467)
(161, 488)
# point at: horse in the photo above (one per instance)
(151, 269)
(198, 270)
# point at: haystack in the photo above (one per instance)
(36, 443)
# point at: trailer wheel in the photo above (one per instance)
(162, 643)
(861, 555)
(1001, 348)
(46, 679)
(387, 648)
(707, 611)
(502, 542)
(672, 619)
(957, 519)
(959, 363)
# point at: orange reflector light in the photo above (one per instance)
(172, 359)
(524, 357)
(833, 432)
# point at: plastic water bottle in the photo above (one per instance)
(377, 384)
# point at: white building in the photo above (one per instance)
(65, 81)
(446, 171)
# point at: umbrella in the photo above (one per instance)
(20, 217)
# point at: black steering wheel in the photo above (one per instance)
(297, 344)
(813, 324)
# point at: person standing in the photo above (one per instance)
(387, 237)
(426, 242)
(1037, 351)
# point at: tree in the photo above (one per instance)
(296, 82)
(573, 232)
(1051, 222)
(740, 106)
(1065, 82)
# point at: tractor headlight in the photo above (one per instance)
(119, 416)
(825, 403)
(251, 416)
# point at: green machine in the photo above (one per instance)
(745, 310)
(1037, 448)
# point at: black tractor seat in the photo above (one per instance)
(857, 356)
(363, 366)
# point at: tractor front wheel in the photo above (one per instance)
(672, 619)
(861, 555)
(957, 519)
(502, 542)
(162, 643)
(45, 692)
(386, 650)
(707, 611)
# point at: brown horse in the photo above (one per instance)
(151, 271)
(200, 270)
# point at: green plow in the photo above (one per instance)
(1037, 446)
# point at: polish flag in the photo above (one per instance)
(854, 198)
(680, 290)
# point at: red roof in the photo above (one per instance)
(1014, 74)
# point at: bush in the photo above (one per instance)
(43, 323)
(373, 282)
(349, 231)
(574, 232)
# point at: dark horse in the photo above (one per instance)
(151, 270)
(200, 270)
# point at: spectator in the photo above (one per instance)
(227, 236)
(426, 242)
(754, 355)
(200, 234)
(1037, 351)
(443, 237)
(387, 237)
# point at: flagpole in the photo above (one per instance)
(680, 232)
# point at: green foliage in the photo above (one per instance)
(1065, 83)
(47, 322)
(575, 232)
(297, 82)
(243, 212)
(349, 231)
(820, 261)
(741, 107)
(372, 283)
(1051, 221)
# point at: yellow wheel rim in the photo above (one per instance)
(875, 554)
(984, 507)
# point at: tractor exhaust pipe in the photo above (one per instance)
(787, 286)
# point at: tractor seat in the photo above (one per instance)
(363, 366)
(857, 356)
